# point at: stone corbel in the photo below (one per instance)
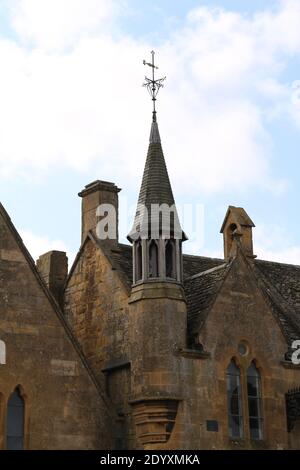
(292, 399)
(154, 418)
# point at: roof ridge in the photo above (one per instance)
(125, 245)
(201, 257)
(208, 271)
(278, 263)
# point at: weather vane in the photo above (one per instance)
(153, 85)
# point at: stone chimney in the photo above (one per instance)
(237, 225)
(53, 267)
(95, 196)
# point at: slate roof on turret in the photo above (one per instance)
(156, 187)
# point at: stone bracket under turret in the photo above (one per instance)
(154, 418)
(292, 399)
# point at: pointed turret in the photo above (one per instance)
(156, 233)
(155, 196)
(158, 317)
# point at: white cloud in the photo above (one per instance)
(38, 245)
(84, 108)
(289, 255)
(278, 31)
(272, 242)
(57, 24)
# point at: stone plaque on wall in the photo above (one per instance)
(63, 368)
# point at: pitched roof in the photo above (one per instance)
(280, 283)
(56, 309)
(240, 216)
(285, 277)
(201, 290)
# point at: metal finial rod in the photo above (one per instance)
(153, 85)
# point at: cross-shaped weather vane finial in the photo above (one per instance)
(153, 85)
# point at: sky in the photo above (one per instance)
(73, 110)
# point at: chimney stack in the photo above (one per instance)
(53, 267)
(100, 201)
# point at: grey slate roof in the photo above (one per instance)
(285, 277)
(196, 264)
(154, 134)
(156, 186)
(201, 290)
(280, 283)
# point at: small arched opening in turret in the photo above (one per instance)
(138, 261)
(230, 233)
(170, 259)
(153, 259)
(232, 228)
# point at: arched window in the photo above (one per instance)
(232, 228)
(2, 352)
(229, 238)
(15, 422)
(235, 413)
(254, 402)
(170, 259)
(153, 259)
(138, 261)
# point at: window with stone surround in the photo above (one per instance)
(234, 399)
(15, 421)
(244, 398)
(254, 402)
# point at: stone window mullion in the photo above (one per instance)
(245, 402)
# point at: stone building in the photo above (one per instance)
(141, 346)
